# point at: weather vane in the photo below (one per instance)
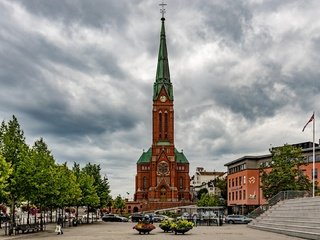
(162, 10)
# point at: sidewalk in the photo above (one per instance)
(121, 231)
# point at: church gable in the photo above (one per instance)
(145, 157)
(180, 157)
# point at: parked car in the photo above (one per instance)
(136, 217)
(159, 218)
(231, 219)
(4, 218)
(113, 218)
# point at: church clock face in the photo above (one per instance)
(163, 98)
(163, 168)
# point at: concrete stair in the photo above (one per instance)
(299, 217)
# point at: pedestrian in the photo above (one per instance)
(195, 219)
(59, 225)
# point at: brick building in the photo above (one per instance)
(162, 178)
(244, 192)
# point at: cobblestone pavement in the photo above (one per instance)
(124, 231)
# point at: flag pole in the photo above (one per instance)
(313, 156)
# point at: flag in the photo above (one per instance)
(310, 120)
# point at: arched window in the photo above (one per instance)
(160, 125)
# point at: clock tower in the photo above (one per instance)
(162, 178)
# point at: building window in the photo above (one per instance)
(229, 182)
(244, 194)
(160, 125)
(165, 125)
(240, 196)
(144, 183)
(236, 195)
(236, 181)
(181, 182)
(232, 196)
(232, 182)
(229, 196)
(244, 179)
(240, 180)
(315, 173)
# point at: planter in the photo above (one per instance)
(182, 230)
(181, 226)
(165, 228)
(144, 228)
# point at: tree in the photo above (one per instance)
(201, 192)
(101, 184)
(14, 149)
(209, 200)
(283, 173)
(221, 184)
(5, 173)
(119, 203)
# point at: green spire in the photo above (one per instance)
(163, 73)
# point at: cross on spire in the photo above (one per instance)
(162, 10)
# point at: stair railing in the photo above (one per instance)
(281, 196)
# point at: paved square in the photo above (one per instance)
(124, 231)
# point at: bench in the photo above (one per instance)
(26, 228)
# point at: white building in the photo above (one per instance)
(205, 179)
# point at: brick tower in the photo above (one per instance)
(162, 178)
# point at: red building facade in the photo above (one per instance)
(162, 178)
(244, 181)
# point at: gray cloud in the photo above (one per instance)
(80, 74)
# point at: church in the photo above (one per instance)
(162, 179)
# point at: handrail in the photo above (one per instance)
(281, 196)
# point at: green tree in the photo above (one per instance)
(209, 200)
(119, 203)
(283, 172)
(89, 194)
(5, 173)
(221, 184)
(101, 184)
(201, 192)
(66, 185)
(43, 178)
(14, 149)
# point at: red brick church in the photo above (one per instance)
(162, 178)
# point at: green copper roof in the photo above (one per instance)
(146, 157)
(163, 143)
(163, 73)
(180, 157)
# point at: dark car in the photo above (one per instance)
(136, 217)
(231, 219)
(4, 218)
(158, 218)
(113, 218)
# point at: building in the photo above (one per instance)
(244, 192)
(205, 179)
(162, 178)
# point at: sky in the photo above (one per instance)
(80, 74)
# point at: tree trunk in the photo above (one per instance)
(88, 214)
(28, 215)
(12, 223)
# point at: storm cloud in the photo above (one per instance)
(80, 74)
